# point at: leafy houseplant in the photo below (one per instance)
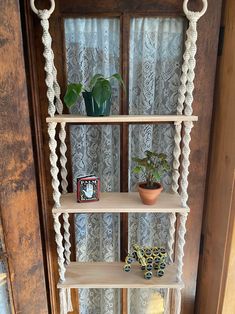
(153, 165)
(97, 95)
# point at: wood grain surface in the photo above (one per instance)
(18, 193)
(94, 275)
(69, 118)
(219, 207)
(115, 202)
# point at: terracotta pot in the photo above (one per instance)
(149, 196)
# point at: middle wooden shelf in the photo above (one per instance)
(121, 202)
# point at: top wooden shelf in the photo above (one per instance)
(69, 118)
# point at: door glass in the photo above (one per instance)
(156, 48)
(93, 47)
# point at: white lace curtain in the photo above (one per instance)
(92, 46)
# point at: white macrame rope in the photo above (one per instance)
(36, 11)
(53, 161)
(185, 162)
(167, 302)
(189, 63)
(63, 158)
(178, 300)
(176, 155)
(67, 244)
(180, 244)
(171, 240)
(53, 95)
(179, 258)
(53, 88)
(185, 97)
(170, 244)
(63, 301)
(60, 248)
(49, 62)
(185, 101)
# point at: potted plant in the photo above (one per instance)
(97, 95)
(153, 165)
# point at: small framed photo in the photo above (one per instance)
(88, 189)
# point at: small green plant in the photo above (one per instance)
(99, 86)
(153, 165)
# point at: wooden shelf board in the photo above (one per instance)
(111, 275)
(116, 202)
(69, 118)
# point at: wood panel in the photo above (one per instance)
(218, 211)
(133, 6)
(18, 194)
(227, 302)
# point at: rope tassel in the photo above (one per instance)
(69, 300)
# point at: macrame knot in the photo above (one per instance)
(193, 16)
(44, 14)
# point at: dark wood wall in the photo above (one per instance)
(218, 224)
(18, 194)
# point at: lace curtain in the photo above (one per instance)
(155, 65)
(92, 46)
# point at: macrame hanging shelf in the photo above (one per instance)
(65, 203)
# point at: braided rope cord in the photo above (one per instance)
(180, 244)
(53, 160)
(176, 155)
(67, 243)
(171, 241)
(185, 101)
(170, 244)
(55, 105)
(53, 91)
(186, 88)
(60, 248)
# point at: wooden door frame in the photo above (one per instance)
(218, 225)
(18, 192)
(204, 88)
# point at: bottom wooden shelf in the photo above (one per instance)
(111, 275)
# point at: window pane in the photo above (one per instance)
(92, 47)
(156, 48)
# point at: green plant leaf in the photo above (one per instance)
(154, 165)
(156, 175)
(101, 91)
(118, 77)
(149, 153)
(94, 80)
(137, 169)
(72, 93)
